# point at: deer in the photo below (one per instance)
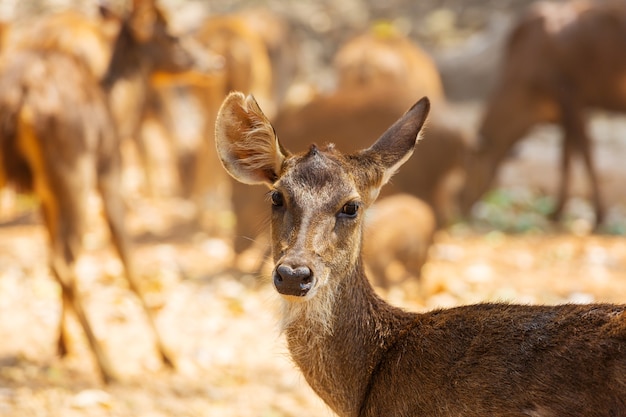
(379, 72)
(252, 50)
(383, 56)
(349, 118)
(88, 38)
(365, 357)
(247, 62)
(400, 230)
(58, 137)
(560, 61)
(91, 39)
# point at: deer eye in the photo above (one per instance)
(277, 199)
(350, 209)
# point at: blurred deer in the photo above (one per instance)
(252, 50)
(279, 38)
(383, 57)
(247, 63)
(89, 39)
(58, 137)
(399, 231)
(364, 357)
(560, 61)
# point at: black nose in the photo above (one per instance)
(293, 281)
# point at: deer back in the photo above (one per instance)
(382, 57)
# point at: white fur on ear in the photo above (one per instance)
(246, 142)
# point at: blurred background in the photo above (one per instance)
(197, 237)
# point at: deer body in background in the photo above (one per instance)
(560, 61)
(91, 39)
(399, 231)
(84, 37)
(58, 137)
(365, 357)
(252, 50)
(246, 58)
(382, 57)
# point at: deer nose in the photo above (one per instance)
(293, 281)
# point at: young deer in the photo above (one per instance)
(379, 74)
(57, 136)
(365, 357)
(351, 119)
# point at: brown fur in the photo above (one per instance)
(131, 93)
(365, 357)
(92, 40)
(561, 60)
(58, 137)
(246, 59)
(382, 57)
(89, 39)
(399, 230)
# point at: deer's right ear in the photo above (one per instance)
(246, 142)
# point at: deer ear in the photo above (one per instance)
(246, 142)
(394, 147)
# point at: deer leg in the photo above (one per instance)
(586, 150)
(577, 141)
(108, 184)
(566, 159)
(61, 263)
(63, 341)
(72, 299)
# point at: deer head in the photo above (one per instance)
(317, 197)
(145, 43)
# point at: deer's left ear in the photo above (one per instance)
(394, 147)
(246, 142)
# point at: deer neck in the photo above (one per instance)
(339, 342)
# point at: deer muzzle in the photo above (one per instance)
(294, 281)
